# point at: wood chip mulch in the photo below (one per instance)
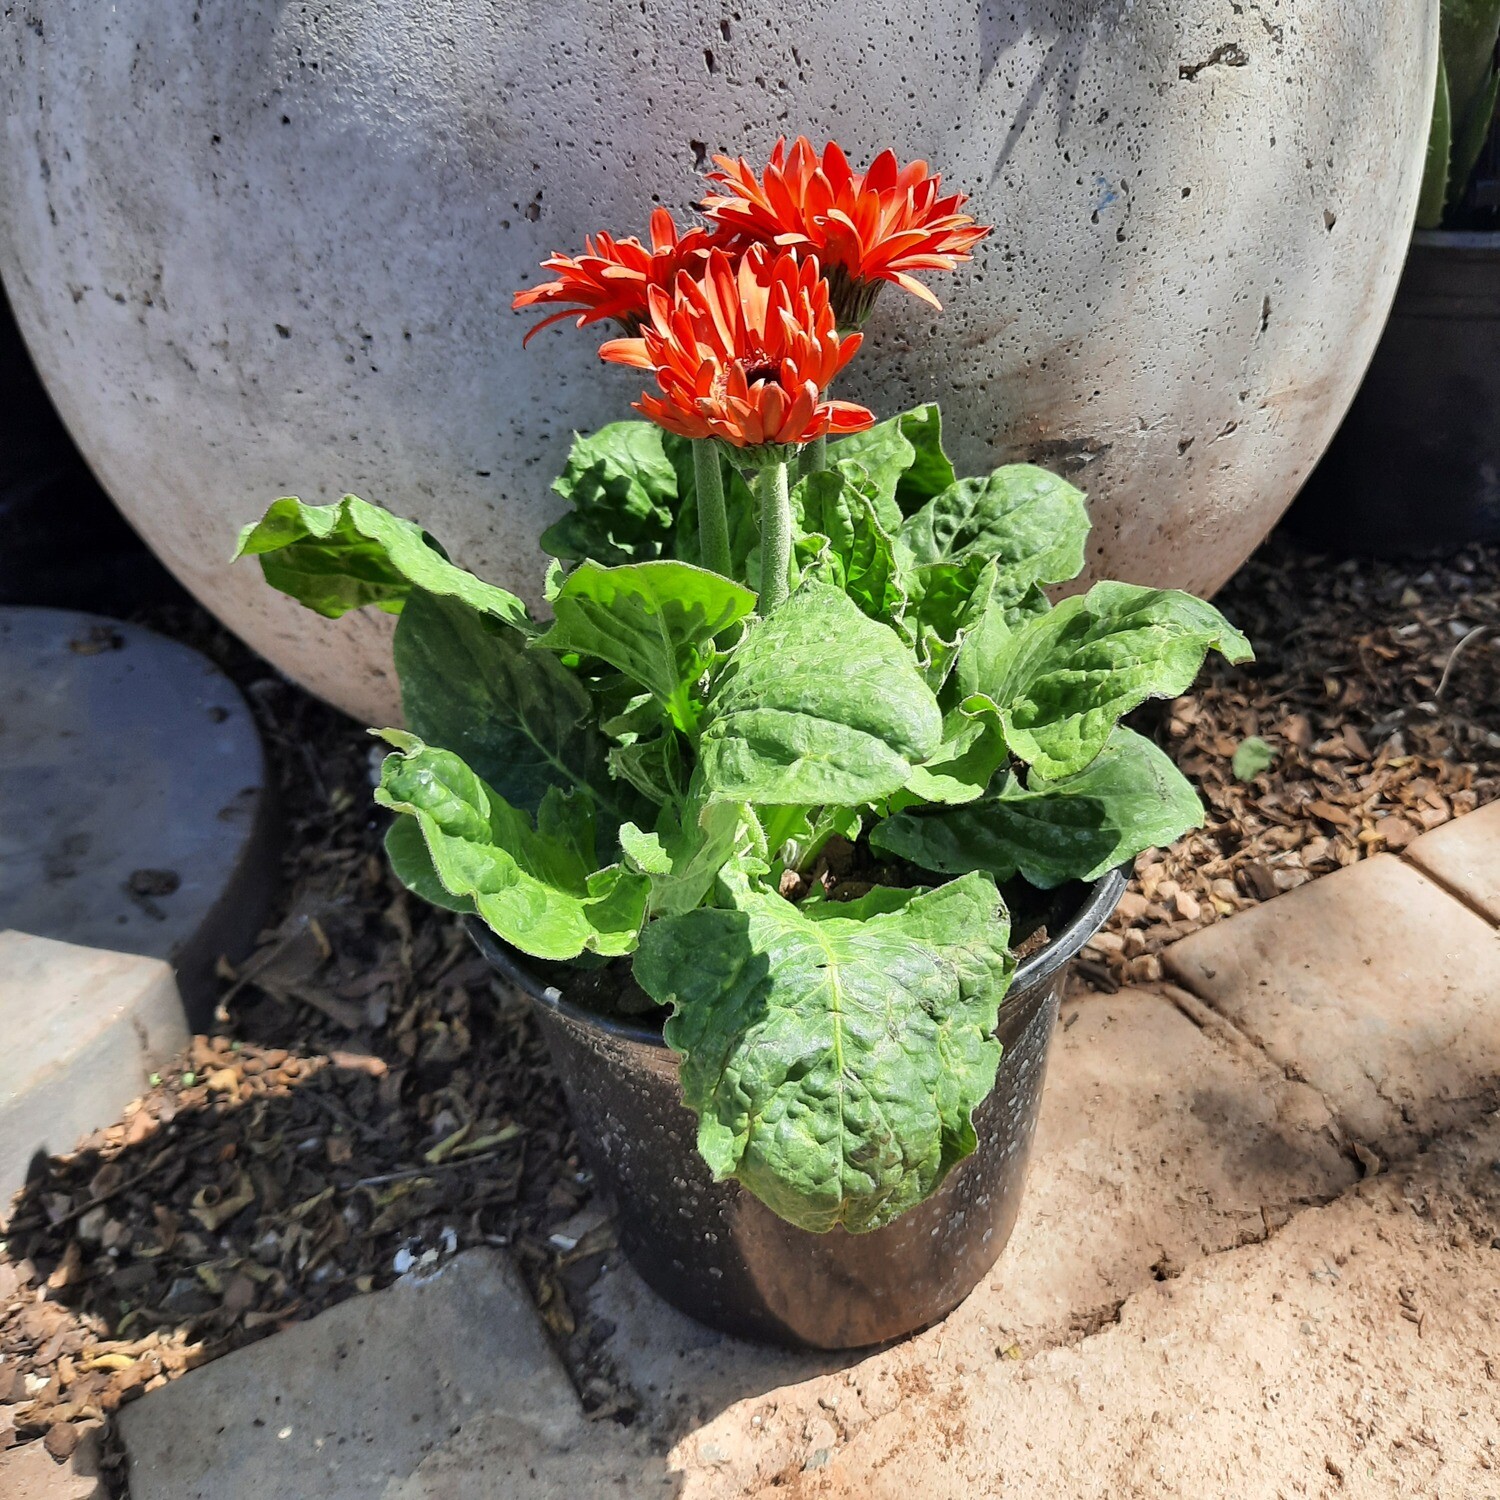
(370, 1101)
(1377, 686)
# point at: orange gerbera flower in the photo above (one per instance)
(865, 228)
(612, 278)
(744, 353)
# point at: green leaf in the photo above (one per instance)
(834, 1064)
(654, 767)
(407, 851)
(518, 717)
(1471, 135)
(686, 853)
(1470, 30)
(818, 704)
(904, 456)
(861, 554)
(654, 621)
(1029, 522)
(1434, 192)
(876, 901)
(623, 490)
(334, 558)
(959, 770)
(991, 618)
(1129, 798)
(537, 887)
(1251, 757)
(1061, 681)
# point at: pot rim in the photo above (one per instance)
(1102, 898)
(1485, 241)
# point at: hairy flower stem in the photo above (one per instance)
(813, 458)
(775, 535)
(713, 521)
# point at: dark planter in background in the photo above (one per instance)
(1416, 466)
(720, 1254)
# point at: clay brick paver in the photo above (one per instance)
(1374, 985)
(1464, 856)
(1161, 1140)
(1354, 1354)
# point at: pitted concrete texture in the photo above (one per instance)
(1464, 857)
(357, 1403)
(133, 804)
(1373, 984)
(1163, 1138)
(83, 1030)
(260, 249)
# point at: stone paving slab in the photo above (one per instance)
(134, 811)
(1374, 985)
(1357, 1353)
(1163, 1137)
(1464, 856)
(83, 1030)
(349, 1405)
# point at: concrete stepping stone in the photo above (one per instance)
(1374, 985)
(1355, 1353)
(1464, 856)
(133, 807)
(1163, 1137)
(83, 1030)
(358, 1403)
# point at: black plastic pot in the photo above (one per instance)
(719, 1254)
(1416, 466)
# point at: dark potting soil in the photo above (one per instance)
(844, 871)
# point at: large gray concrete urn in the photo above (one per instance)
(267, 247)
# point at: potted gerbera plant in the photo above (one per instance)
(791, 817)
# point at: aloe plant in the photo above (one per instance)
(1463, 110)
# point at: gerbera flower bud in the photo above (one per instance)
(865, 228)
(613, 278)
(745, 353)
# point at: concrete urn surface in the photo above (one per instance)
(268, 248)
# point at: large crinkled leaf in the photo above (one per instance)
(818, 704)
(334, 558)
(860, 554)
(1128, 799)
(990, 617)
(904, 456)
(654, 621)
(521, 719)
(407, 851)
(623, 491)
(1059, 682)
(1030, 523)
(537, 887)
(834, 1064)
